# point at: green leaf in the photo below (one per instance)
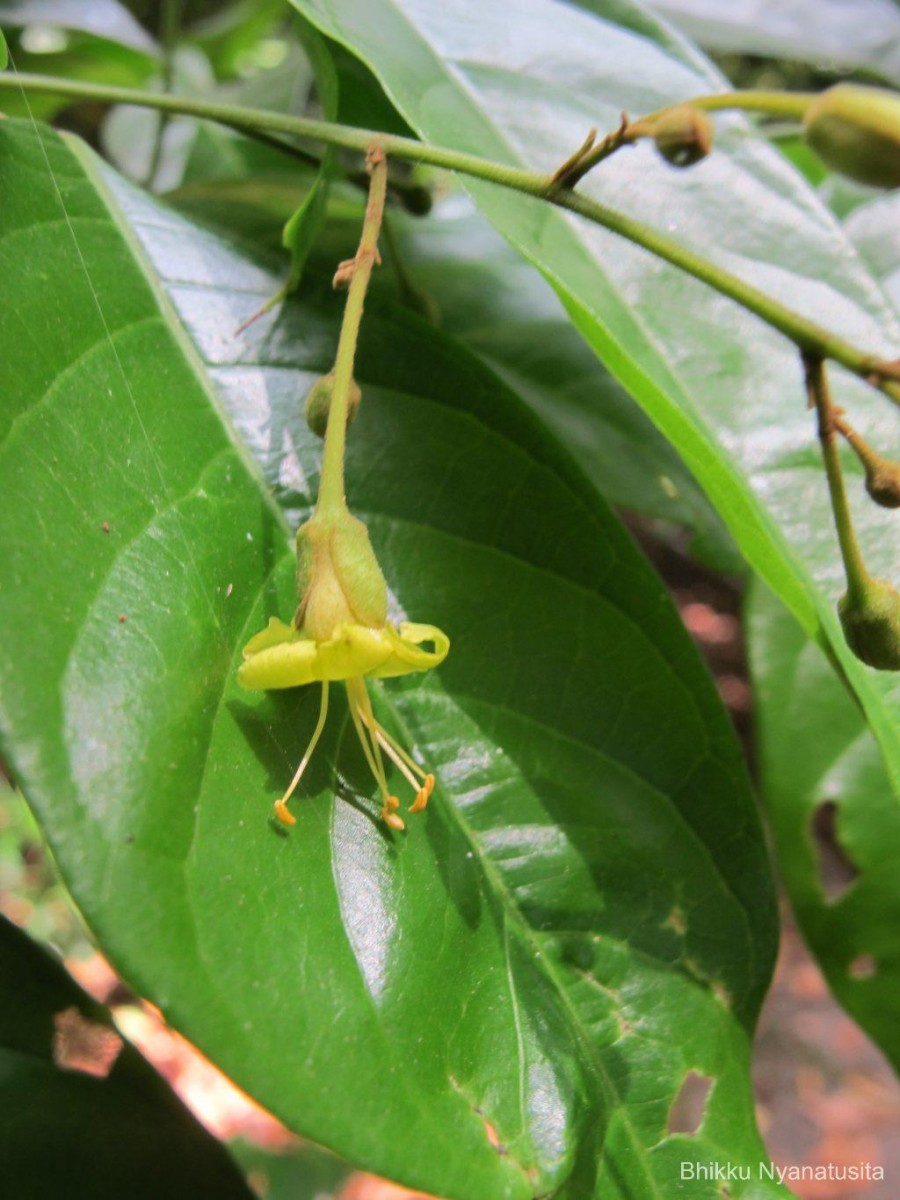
(863, 34)
(835, 822)
(84, 1115)
(583, 917)
(724, 388)
(4, 52)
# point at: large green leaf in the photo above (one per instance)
(82, 1115)
(723, 388)
(821, 777)
(835, 821)
(583, 917)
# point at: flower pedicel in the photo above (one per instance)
(340, 630)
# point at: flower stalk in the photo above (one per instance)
(340, 630)
(869, 610)
(819, 397)
(356, 272)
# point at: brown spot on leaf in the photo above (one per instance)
(80, 1044)
(863, 966)
(689, 1106)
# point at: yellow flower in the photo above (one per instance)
(283, 656)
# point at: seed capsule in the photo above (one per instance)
(872, 624)
(318, 403)
(683, 134)
(856, 130)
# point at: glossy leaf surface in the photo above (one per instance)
(864, 34)
(721, 386)
(506, 1001)
(82, 1114)
(504, 312)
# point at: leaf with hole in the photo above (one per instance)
(84, 1115)
(723, 388)
(506, 1001)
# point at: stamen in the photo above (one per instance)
(395, 758)
(374, 739)
(399, 755)
(281, 809)
(423, 794)
(363, 718)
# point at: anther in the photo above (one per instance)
(284, 815)
(423, 794)
(390, 817)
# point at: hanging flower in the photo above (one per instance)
(340, 582)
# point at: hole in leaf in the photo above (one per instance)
(689, 1106)
(837, 873)
(863, 966)
(83, 1045)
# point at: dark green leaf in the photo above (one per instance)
(583, 917)
(82, 1115)
(724, 388)
(834, 818)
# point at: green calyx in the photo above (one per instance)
(339, 581)
(318, 403)
(856, 130)
(683, 134)
(870, 617)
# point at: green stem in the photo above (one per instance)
(807, 335)
(774, 104)
(820, 397)
(331, 483)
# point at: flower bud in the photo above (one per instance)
(318, 403)
(683, 134)
(871, 624)
(856, 130)
(883, 482)
(339, 580)
(417, 200)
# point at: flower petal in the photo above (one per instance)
(274, 633)
(282, 665)
(407, 655)
(281, 657)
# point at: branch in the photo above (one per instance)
(808, 336)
